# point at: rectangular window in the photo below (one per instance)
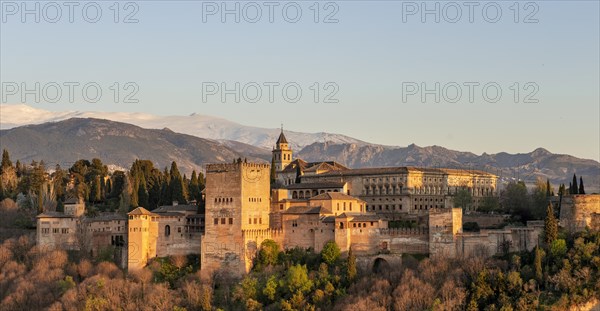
(255, 221)
(216, 221)
(231, 221)
(55, 230)
(260, 220)
(249, 221)
(222, 221)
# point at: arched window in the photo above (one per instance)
(167, 230)
(294, 195)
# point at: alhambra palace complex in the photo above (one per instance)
(308, 205)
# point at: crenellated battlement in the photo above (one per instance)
(270, 233)
(404, 231)
(441, 210)
(228, 167)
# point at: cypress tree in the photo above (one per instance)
(165, 190)
(142, 193)
(176, 184)
(186, 190)
(548, 193)
(6, 163)
(194, 187)
(133, 200)
(351, 266)
(108, 189)
(537, 262)
(570, 188)
(19, 168)
(581, 188)
(40, 198)
(201, 181)
(550, 226)
(60, 207)
(96, 191)
(2, 194)
(575, 188)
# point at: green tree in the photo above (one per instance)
(558, 248)
(270, 289)
(165, 189)
(330, 253)
(581, 188)
(490, 204)
(297, 280)
(515, 199)
(574, 183)
(142, 193)
(548, 188)
(176, 184)
(537, 263)
(539, 199)
(570, 188)
(19, 168)
(462, 198)
(194, 188)
(550, 226)
(6, 163)
(96, 190)
(269, 253)
(60, 206)
(134, 202)
(351, 266)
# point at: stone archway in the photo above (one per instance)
(380, 265)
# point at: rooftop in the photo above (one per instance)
(334, 196)
(175, 208)
(141, 211)
(52, 214)
(282, 139)
(403, 170)
(304, 210)
(316, 185)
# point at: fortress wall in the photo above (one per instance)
(484, 220)
(577, 212)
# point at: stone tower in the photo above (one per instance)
(237, 199)
(282, 154)
(142, 236)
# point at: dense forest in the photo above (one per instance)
(563, 272)
(39, 188)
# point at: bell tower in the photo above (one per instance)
(282, 153)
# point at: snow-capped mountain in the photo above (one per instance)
(195, 124)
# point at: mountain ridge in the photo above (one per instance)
(195, 124)
(354, 153)
(116, 143)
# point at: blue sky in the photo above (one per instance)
(370, 56)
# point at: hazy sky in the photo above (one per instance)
(371, 57)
